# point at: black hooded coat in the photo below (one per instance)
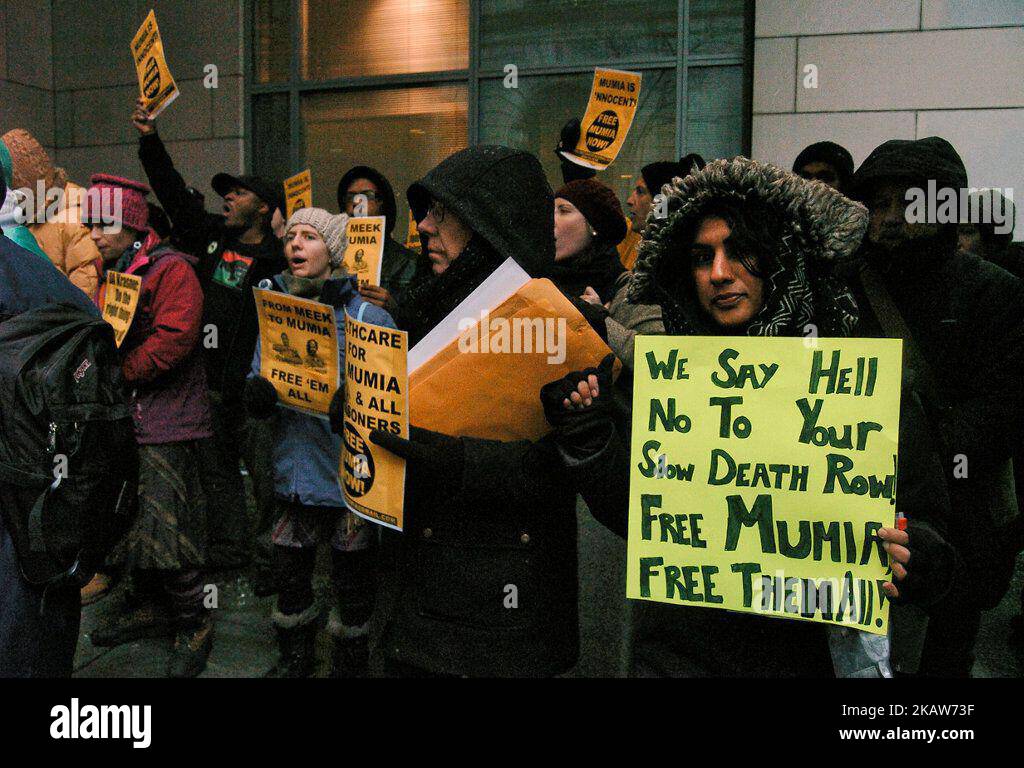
(399, 263)
(508, 532)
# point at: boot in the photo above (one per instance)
(191, 650)
(350, 657)
(296, 637)
(136, 624)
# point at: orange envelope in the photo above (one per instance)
(496, 394)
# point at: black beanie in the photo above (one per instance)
(827, 152)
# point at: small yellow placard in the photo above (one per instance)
(364, 248)
(298, 350)
(120, 299)
(412, 237)
(761, 470)
(376, 397)
(156, 85)
(614, 96)
(298, 192)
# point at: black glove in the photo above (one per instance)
(336, 410)
(434, 462)
(930, 570)
(553, 393)
(567, 141)
(595, 314)
(260, 397)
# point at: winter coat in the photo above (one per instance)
(37, 637)
(598, 267)
(399, 263)
(64, 239)
(306, 454)
(512, 520)
(161, 351)
(821, 228)
(627, 320)
(227, 269)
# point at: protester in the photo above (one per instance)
(762, 267)
(398, 262)
(306, 457)
(984, 239)
(588, 226)
(62, 237)
(235, 251)
(38, 627)
(11, 213)
(827, 162)
(480, 514)
(963, 320)
(166, 548)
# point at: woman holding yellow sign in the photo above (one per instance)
(306, 455)
(749, 250)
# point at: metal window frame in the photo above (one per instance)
(474, 75)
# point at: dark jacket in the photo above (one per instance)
(160, 353)
(399, 263)
(966, 316)
(510, 527)
(822, 228)
(227, 268)
(599, 268)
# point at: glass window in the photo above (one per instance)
(402, 132)
(272, 50)
(530, 117)
(716, 27)
(567, 32)
(271, 136)
(360, 38)
(714, 123)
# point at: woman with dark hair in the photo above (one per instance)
(747, 249)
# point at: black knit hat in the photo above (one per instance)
(656, 175)
(827, 152)
(599, 206)
(913, 162)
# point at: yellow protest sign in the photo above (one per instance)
(364, 248)
(298, 192)
(412, 237)
(376, 397)
(120, 299)
(298, 350)
(760, 470)
(156, 85)
(613, 99)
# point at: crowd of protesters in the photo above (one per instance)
(719, 247)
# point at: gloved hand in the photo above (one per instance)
(585, 428)
(595, 314)
(336, 410)
(260, 397)
(567, 141)
(923, 564)
(434, 462)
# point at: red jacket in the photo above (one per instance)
(160, 354)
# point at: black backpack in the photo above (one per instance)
(68, 458)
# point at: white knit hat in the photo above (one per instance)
(331, 228)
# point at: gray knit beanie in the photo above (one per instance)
(330, 226)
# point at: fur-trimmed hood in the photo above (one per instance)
(818, 227)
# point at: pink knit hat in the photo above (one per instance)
(101, 205)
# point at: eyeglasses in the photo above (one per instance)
(369, 194)
(436, 210)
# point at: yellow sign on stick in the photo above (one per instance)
(298, 192)
(156, 85)
(120, 300)
(298, 350)
(376, 397)
(760, 471)
(364, 248)
(614, 96)
(412, 237)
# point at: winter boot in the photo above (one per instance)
(296, 637)
(192, 646)
(350, 656)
